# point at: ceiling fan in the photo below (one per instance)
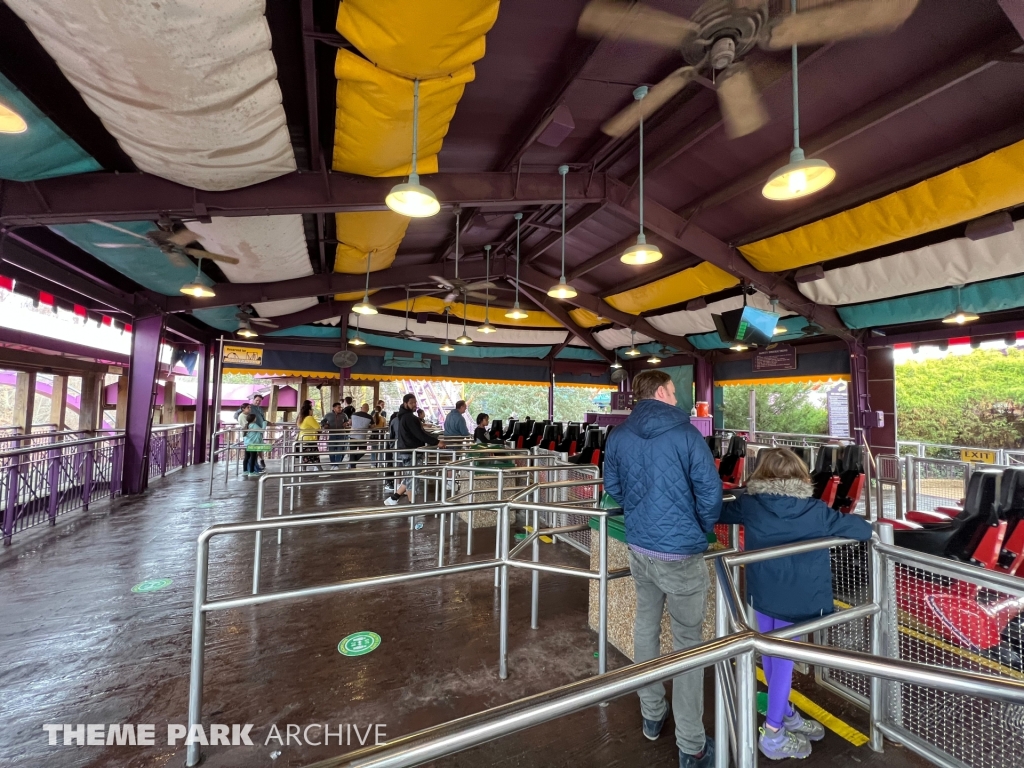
(456, 287)
(405, 333)
(173, 240)
(719, 33)
(247, 314)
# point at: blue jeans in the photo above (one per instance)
(336, 445)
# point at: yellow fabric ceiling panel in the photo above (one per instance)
(422, 39)
(991, 183)
(373, 124)
(682, 286)
(475, 313)
(360, 233)
(586, 319)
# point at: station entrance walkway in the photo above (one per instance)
(81, 647)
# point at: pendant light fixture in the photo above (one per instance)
(632, 351)
(196, 287)
(516, 313)
(562, 290)
(364, 307)
(357, 340)
(464, 338)
(412, 198)
(245, 330)
(446, 347)
(11, 121)
(641, 253)
(654, 359)
(799, 177)
(616, 364)
(737, 347)
(959, 316)
(487, 327)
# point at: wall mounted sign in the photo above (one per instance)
(777, 357)
(237, 355)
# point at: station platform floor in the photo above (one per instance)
(80, 647)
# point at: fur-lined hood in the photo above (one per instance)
(779, 487)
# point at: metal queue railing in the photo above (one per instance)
(733, 655)
(227, 447)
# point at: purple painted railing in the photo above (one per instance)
(40, 483)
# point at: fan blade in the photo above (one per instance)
(480, 286)
(116, 228)
(740, 102)
(442, 281)
(610, 18)
(262, 321)
(450, 297)
(629, 118)
(183, 236)
(198, 253)
(837, 22)
(119, 245)
(178, 259)
(481, 296)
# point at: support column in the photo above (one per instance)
(89, 411)
(169, 411)
(303, 393)
(551, 391)
(335, 394)
(121, 409)
(876, 393)
(275, 391)
(202, 418)
(59, 401)
(25, 401)
(704, 381)
(375, 386)
(145, 362)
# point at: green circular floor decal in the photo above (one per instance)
(359, 644)
(151, 585)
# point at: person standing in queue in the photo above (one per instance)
(659, 469)
(455, 421)
(409, 432)
(349, 407)
(309, 434)
(334, 422)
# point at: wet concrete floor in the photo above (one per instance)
(79, 647)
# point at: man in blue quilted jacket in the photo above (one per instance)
(658, 467)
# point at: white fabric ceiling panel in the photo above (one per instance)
(954, 262)
(683, 322)
(268, 248)
(434, 330)
(612, 338)
(187, 87)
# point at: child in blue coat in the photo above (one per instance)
(778, 509)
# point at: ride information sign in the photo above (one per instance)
(236, 355)
(778, 357)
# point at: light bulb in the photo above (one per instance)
(516, 313)
(11, 121)
(641, 253)
(247, 332)
(616, 364)
(356, 341)
(487, 328)
(412, 199)
(779, 330)
(739, 347)
(797, 183)
(653, 359)
(798, 178)
(446, 347)
(463, 339)
(959, 317)
(198, 290)
(633, 352)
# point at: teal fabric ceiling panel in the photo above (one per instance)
(41, 152)
(988, 296)
(389, 342)
(309, 332)
(578, 353)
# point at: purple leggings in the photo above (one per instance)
(778, 673)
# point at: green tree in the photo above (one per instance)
(779, 408)
(974, 400)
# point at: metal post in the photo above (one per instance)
(746, 711)
(500, 530)
(877, 692)
(752, 417)
(725, 726)
(195, 681)
(602, 595)
(503, 525)
(535, 585)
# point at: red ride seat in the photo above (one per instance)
(828, 493)
(730, 468)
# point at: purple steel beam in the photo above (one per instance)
(691, 237)
(146, 333)
(202, 417)
(140, 196)
(328, 309)
(860, 405)
(704, 380)
(328, 284)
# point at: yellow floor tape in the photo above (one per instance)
(545, 539)
(827, 719)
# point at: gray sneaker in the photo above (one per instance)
(781, 744)
(812, 730)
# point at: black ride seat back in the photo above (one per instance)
(825, 466)
(737, 450)
(572, 435)
(715, 444)
(804, 452)
(591, 443)
(851, 465)
(961, 536)
(496, 430)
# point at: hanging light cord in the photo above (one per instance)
(639, 94)
(487, 301)
(796, 108)
(366, 292)
(518, 217)
(563, 169)
(415, 125)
